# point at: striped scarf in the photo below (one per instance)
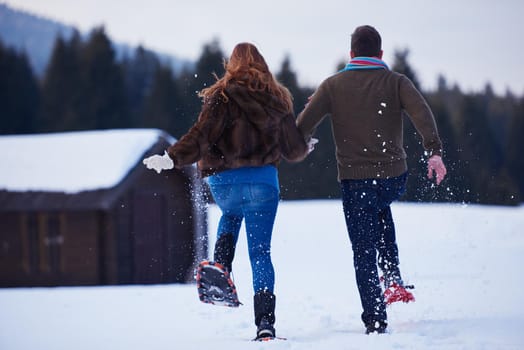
(357, 63)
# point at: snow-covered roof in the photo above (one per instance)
(72, 162)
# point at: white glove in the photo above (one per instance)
(311, 144)
(159, 163)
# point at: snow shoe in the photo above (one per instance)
(269, 338)
(215, 285)
(396, 292)
(265, 330)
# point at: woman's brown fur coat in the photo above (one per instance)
(247, 129)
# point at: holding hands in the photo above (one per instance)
(311, 144)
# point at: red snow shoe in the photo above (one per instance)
(396, 293)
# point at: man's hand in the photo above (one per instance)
(159, 163)
(436, 168)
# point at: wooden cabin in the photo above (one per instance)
(80, 208)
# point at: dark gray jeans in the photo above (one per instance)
(371, 230)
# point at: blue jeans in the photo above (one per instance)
(372, 231)
(256, 203)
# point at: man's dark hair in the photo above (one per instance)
(366, 41)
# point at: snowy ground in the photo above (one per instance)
(463, 260)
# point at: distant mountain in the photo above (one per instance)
(36, 35)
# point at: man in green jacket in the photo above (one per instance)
(366, 102)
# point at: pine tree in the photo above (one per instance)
(418, 186)
(209, 65)
(481, 154)
(161, 104)
(514, 160)
(104, 105)
(401, 65)
(288, 77)
(19, 93)
(139, 75)
(190, 82)
(61, 87)
(316, 176)
(453, 188)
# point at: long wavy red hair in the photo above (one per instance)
(248, 67)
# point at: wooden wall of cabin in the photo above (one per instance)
(156, 229)
(50, 248)
(150, 235)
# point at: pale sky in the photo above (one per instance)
(469, 42)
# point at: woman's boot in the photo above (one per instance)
(264, 303)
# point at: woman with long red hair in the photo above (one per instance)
(246, 126)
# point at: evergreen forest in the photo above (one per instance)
(85, 87)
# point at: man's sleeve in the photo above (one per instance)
(421, 116)
(315, 111)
